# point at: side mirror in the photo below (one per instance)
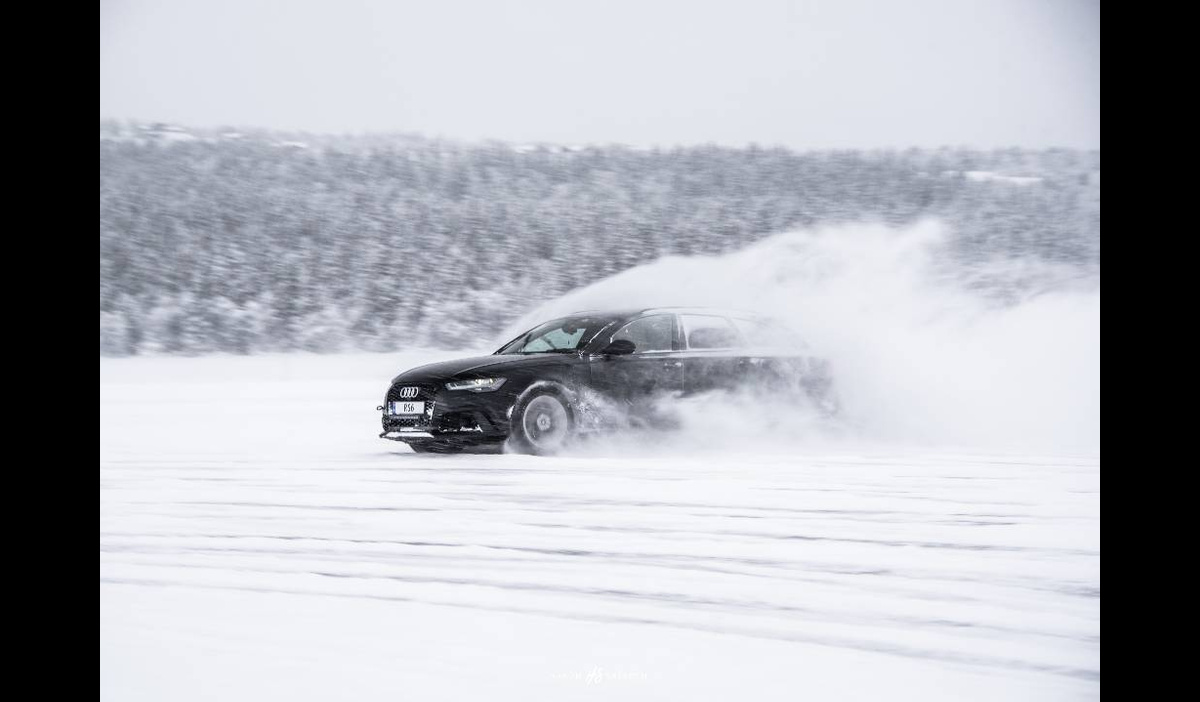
(620, 347)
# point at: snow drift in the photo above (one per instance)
(926, 350)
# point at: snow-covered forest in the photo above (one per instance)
(225, 241)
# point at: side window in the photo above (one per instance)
(767, 333)
(654, 333)
(708, 332)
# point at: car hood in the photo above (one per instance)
(448, 369)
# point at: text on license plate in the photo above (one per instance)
(406, 408)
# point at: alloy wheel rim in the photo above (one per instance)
(545, 422)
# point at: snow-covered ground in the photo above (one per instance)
(258, 541)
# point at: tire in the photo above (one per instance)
(542, 424)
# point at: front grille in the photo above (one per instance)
(425, 393)
(410, 421)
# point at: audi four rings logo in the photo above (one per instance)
(408, 393)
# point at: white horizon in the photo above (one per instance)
(804, 75)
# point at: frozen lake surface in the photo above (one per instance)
(258, 541)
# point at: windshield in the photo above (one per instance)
(566, 335)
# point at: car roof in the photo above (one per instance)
(639, 311)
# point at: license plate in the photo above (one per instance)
(406, 408)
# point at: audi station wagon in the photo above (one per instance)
(595, 371)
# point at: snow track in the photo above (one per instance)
(256, 539)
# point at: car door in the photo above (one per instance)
(712, 353)
(767, 359)
(654, 368)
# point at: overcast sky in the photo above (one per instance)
(815, 74)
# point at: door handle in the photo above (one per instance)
(672, 364)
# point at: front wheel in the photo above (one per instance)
(542, 424)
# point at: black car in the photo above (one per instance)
(592, 370)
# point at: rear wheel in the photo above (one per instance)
(542, 424)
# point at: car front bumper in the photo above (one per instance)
(460, 416)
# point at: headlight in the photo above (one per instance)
(476, 384)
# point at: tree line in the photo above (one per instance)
(223, 241)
